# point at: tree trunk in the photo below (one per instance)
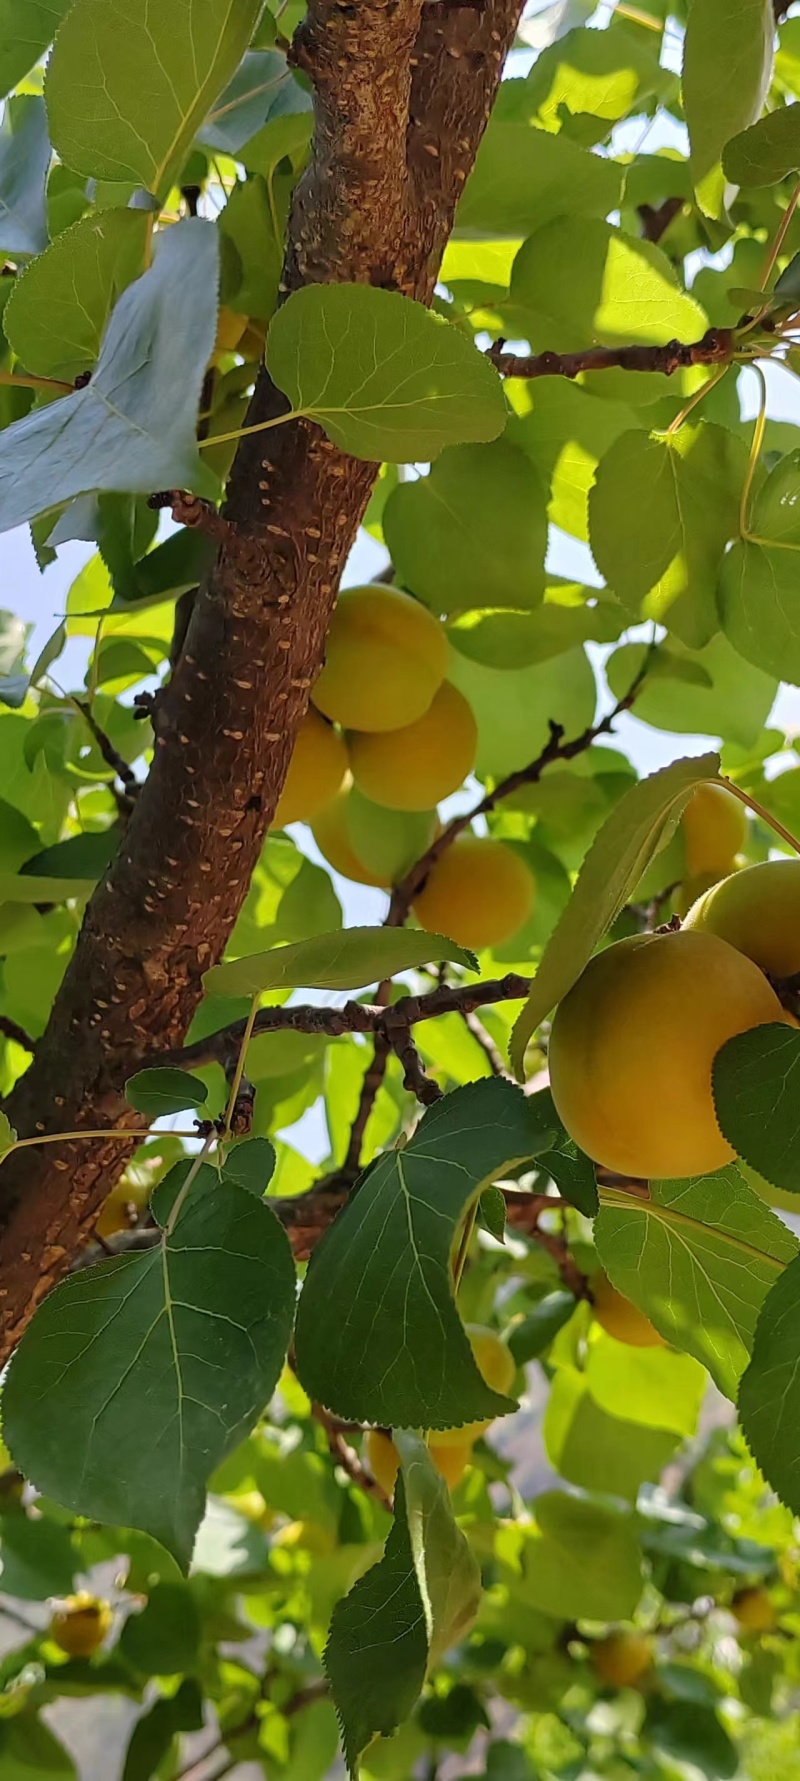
(402, 91)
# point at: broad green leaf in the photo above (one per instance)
(533, 1335)
(764, 154)
(153, 1733)
(137, 1377)
(605, 74)
(263, 88)
(350, 959)
(759, 605)
(580, 282)
(502, 639)
(127, 87)
(24, 160)
(27, 28)
(161, 1092)
(690, 1733)
(251, 1165)
(523, 178)
(698, 1257)
(400, 1357)
(727, 67)
(169, 570)
(661, 512)
(597, 1451)
(37, 1558)
(134, 423)
(769, 1395)
(566, 433)
(29, 1751)
(756, 1104)
(657, 1387)
(253, 233)
(581, 1561)
(513, 707)
(26, 888)
(384, 377)
(163, 1639)
(57, 312)
(472, 533)
(735, 706)
(642, 819)
(403, 1615)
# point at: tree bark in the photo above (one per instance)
(402, 94)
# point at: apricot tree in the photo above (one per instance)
(356, 1393)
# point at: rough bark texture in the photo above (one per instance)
(402, 94)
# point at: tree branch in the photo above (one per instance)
(401, 100)
(346, 1457)
(715, 348)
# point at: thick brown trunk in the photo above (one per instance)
(402, 94)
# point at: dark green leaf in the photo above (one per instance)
(406, 1612)
(613, 866)
(698, 1257)
(24, 888)
(492, 1212)
(384, 377)
(123, 95)
(472, 533)
(24, 160)
(136, 1377)
(30, 1752)
(263, 88)
(764, 154)
(727, 67)
(755, 1097)
(533, 1335)
(570, 1168)
(350, 959)
(251, 1165)
(27, 28)
(163, 1640)
(80, 856)
(769, 1395)
(400, 1357)
(161, 1092)
(152, 1735)
(58, 310)
(524, 177)
(37, 1557)
(690, 1732)
(134, 424)
(171, 569)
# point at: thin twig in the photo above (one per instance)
(524, 1213)
(715, 348)
(346, 1457)
(9, 1029)
(110, 754)
(373, 1079)
(415, 1077)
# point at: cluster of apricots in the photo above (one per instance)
(386, 723)
(633, 1043)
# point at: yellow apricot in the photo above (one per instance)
(619, 1317)
(330, 832)
(120, 1209)
(633, 1044)
(622, 1659)
(714, 829)
(316, 773)
(306, 1536)
(386, 656)
(230, 328)
(479, 893)
(412, 768)
(451, 1461)
(758, 912)
(80, 1625)
(384, 1461)
(498, 1366)
(753, 1610)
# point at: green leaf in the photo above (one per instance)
(161, 1092)
(533, 1334)
(605, 74)
(727, 67)
(473, 532)
(577, 283)
(263, 88)
(350, 959)
(513, 707)
(153, 1733)
(523, 178)
(764, 154)
(620, 853)
(254, 234)
(698, 1257)
(30, 1752)
(501, 639)
(124, 95)
(400, 1357)
(24, 888)
(251, 1165)
(56, 315)
(759, 605)
(735, 706)
(163, 1640)
(755, 1102)
(24, 160)
(769, 1395)
(690, 1732)
(492, 1213)
(136, 1378)
(401, 1617)
(27, 28)
(134, 424)
(659, 1388)
(597, 1451)
(660, 515)
(384, 377)
(566, 433)
(37, 1558)
(581, 1561)
(80, 856)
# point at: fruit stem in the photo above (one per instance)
(758, 809)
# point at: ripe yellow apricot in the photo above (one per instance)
(622, 1659)
(230, 328)
(619, 1317)
(633, 1044)
(330, 832)
(758, 912)
(498, 1366)
(714, 829)
(479, 893)
(386, 656)
(412, 768)
(119, 1211)
(450, 1460)
(316, 773)
(753, 1610)
(80, 1625)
